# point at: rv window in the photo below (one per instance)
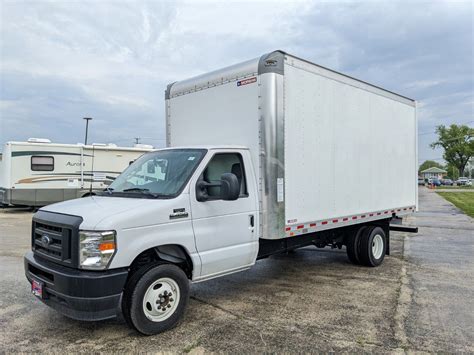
(40, 163)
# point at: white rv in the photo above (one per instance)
(38, 172)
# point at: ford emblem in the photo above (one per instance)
(46, 240)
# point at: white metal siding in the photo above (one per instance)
(347, 150)
(226, 114)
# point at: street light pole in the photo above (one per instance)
(87, 127)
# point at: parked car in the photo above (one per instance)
(447, 182)
(436, 182)
(421, 181)
(463, 181)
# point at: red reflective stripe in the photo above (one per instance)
(288, 229)
(345, 219)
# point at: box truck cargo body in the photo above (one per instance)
(328, 150)
(262, 157)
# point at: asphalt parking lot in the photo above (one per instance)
(420, 299)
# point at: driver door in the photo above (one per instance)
(225, 231)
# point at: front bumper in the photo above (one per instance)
(82, 295)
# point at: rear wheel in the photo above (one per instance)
(352, 246)
(372, 246)
(156, 301)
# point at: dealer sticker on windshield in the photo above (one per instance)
(247, 81)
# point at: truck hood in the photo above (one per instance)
(102, 213)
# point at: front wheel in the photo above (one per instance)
(157, 300)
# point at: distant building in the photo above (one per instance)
(433, 173)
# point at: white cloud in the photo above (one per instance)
(112, 60)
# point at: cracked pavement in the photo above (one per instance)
(420, 299)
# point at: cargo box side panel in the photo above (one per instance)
(348, 150)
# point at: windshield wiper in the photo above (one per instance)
(139, 189)
(145, 191)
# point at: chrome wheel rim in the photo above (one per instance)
(377, 246)
(161, 299)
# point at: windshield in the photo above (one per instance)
(158, 174)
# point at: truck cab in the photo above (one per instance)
(194, 209)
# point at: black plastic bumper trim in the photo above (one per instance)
(83, 295)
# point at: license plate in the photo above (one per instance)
(37, 288)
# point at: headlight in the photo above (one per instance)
(96, 249)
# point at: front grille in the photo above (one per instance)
(52, 241)
(55, 237)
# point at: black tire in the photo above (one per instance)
(352, 246)
(128, 290)
(371, 236)
(137, 286)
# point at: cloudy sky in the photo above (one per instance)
(63, 60)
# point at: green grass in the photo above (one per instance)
(456, 187)
(462, 200)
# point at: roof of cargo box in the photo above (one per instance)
(268, 63)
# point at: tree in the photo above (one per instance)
(458, 144)
(453, 172)
(429, 164)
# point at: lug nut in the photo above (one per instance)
(166, 293)
(169, 306)
(171, 300)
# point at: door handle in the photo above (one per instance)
(251, 220)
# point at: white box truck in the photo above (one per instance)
(263, 157)
(39, 172)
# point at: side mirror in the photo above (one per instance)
(230, 189)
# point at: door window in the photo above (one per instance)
(224, 163)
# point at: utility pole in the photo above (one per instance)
(87, 127)
(137, 140)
